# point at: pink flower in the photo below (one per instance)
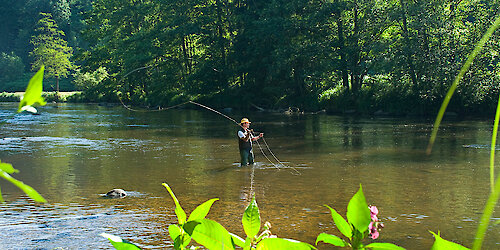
(373, 213)
(374, 225)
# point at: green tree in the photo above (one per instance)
(51, 50)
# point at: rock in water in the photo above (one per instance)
(116, 193)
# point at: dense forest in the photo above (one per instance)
(366, 56)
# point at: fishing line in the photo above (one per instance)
(252, 175)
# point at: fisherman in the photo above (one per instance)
(246, 137)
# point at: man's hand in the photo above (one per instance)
(261, 135)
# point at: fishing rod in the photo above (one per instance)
(277, 166)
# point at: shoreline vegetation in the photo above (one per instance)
(80, 97)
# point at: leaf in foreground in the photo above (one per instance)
(202, 210)
(358, 213)
(251, 219)
(279, 243)
(33, 93)
(383, 246)
(181, 215)
(32, 193)
(210, 234)
(331, 239)
(441, 243)
(341, 223)
(119, 243)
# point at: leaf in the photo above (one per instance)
(341, 223)
(176, 235)
(331, 239)
(33, 93)
(8, 168)
(384, 246)
(32, 193)
(119, 243)
(358, 213)
(238, 240)
(251, 219)
(181, 215)
(202, 210)
(210, 234)
(441, 243)
(279, 243)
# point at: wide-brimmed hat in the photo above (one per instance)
(244, 120)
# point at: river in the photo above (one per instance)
(74, 153)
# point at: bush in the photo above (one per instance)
(11, 67)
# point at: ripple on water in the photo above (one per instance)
(73, 226)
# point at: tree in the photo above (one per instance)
(51, 50)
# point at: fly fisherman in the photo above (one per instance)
(246, 137)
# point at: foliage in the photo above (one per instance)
(50, 49)
(212, 235)
(32, 96)
(11, 66)
(441, 243)
(357, 226)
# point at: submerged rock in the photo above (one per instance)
(116, 193)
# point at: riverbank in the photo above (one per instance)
(49, 96)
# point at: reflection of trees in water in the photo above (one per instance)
(352, 136)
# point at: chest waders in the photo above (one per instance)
(246, 151)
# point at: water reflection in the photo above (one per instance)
(74, 153)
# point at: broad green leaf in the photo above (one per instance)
(384, 246)
(202, 210)
(251, 219)
(32, 193)
(248, 244)
(33, 93)
(279, 243)
(358, 213)
(176, 235)
(341, 223)
(331, 239)
(8, 168)
(238, 240)
(119, 243)
(441, 243)
(181, 215)
(210, 234)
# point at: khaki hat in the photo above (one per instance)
(244, 120)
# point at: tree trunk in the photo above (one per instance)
(57, 88)
(407, 48)
(343, 61)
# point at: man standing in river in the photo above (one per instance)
(245, 140)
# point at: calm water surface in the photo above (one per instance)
(72, 154)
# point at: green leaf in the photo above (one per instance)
(119, 243)
(32, 193)
(279, 243)
(202, 210)
(358, 213)
(238, 240)
(441, 243)
(8, 168)
(181, 215)
(179, 239)
(33, 93)
(341, 223)
(331, 239)
(251, 219)
(384, 246)
(210, 234)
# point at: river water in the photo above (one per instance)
(74, 153)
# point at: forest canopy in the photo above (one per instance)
(395, 56)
